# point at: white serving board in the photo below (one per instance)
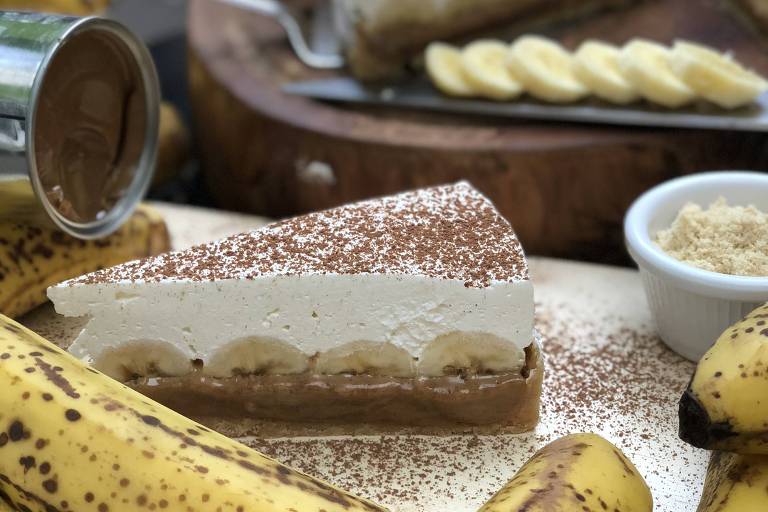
(606, 372)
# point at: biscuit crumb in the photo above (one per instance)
(726, 239)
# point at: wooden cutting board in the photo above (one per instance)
(606, 372)
(564, 187)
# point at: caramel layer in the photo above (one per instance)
(509, 399)
(90, 125)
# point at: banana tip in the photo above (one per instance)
(696, 427)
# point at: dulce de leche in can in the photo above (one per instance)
(80, 130)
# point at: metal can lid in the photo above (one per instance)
(93, 127)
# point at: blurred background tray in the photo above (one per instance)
(564, 188)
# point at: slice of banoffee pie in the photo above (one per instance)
(414, 309)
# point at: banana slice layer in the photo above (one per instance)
(545, 69)
(469, 353)
(256, 356)
(445, 69)
(647, 66)
(670, 77)
(142, 358)
(596, 64)
(485, 70)
(715, 76)
(365, 357)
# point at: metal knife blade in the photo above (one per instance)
(419, 94)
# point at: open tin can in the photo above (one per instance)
(79, 100)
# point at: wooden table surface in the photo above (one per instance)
(606, 372)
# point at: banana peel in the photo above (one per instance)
(735, 483)
(71, 435)
(725, 406)
(579, 472)
(33, 258)
(74, 7)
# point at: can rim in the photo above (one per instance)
(146, 164)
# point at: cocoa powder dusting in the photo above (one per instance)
(605, 373)
(447, 232)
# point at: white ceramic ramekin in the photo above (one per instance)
(692, 307)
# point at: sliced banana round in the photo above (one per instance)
(485, 69)
(445, 69)
(469, 353)
(545, 69)
(256, 356)
(142, 358)
(647, 66)
(715, 76)
(364, 357)
(596, 65)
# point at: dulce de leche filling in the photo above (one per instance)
(90, 125)
(507, 398)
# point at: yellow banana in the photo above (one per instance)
(33, 258)
(6, 505)
(726, 404)
(173, 145)
(735, 483)
(77, 7)
(575, 472)
(73, 439)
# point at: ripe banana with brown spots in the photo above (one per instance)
(726, 404)
(76, 7)
(72, 439)
(575, 472)
(33, 258)
(735, 483)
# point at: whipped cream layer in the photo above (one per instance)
(312, 313)
(432, 281)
